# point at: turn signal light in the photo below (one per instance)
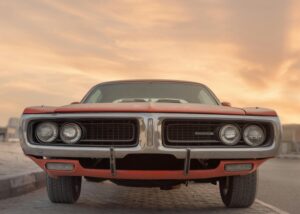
(60, 166)
(237, 167)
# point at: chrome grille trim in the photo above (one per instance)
(150, 136)
(96, 131)
(157, 147)
(197, 132)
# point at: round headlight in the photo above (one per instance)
(254, 135)
(46, 132)
(230, 134)
(70, 133)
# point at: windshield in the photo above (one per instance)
(162, 92)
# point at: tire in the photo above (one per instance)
(63, 189)
(238, 191)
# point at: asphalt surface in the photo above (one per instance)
(279, 184)
(110, 198)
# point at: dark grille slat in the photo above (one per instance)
(110, 132)
(201, 132)
(102, 132)
(191, 132)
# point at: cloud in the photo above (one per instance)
(255, 78)
(52, 52)
(293, 73)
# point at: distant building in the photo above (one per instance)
(2, 133)
(12, 130)
(290, 139)
(291, 132)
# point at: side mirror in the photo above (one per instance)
(73, 103)
(226, 104)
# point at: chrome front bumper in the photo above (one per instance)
(150, 139)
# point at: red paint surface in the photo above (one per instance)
(150, 108)
(146, 174)
(256, 111)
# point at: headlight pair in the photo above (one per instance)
(253, 135)
(69, 133)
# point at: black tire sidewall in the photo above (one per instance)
(241, 190)
(64, 189)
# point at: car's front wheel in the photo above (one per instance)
(238, 191)
(63, 189)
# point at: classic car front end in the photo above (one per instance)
(151, 133)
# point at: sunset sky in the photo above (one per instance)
(247, 52)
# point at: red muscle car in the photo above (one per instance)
(151, 133)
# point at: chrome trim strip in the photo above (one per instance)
(157, 146)
(150, 136)
(194, 141)
(204, 133)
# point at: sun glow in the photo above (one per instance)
(52, 52)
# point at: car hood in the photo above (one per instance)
(150, 108)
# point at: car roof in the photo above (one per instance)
(149, 80)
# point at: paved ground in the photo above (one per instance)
(109, 198)
(279, 184)
(13, 162)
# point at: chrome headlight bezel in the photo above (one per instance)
(259, 129)
(222, 134)
(77, 133)
(50, 125)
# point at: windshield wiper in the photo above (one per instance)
(131, 100)
(168, 100)
(153, 100)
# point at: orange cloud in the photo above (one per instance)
(52, 52)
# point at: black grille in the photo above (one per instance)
(101, 132)
(109, 131)
(195, 132)
(191, 133)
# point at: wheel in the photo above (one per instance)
(63, 189)
(238, 191)
(93, 179)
